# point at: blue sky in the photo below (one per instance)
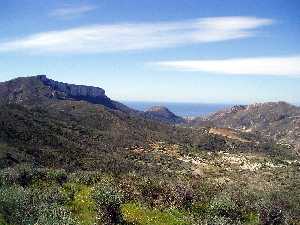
(224, 51)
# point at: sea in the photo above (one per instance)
(181, 109)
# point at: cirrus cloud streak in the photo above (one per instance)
(71, 11)
(273, 66)
(137, 36)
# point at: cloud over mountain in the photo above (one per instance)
(137, 36)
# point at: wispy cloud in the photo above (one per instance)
(274, 66)
(137, 36)
(71, 11)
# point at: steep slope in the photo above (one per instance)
(40, 90)
(278, 121)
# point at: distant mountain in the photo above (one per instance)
(278, 121)
(54, 124)
(40, 90)
(163, 114)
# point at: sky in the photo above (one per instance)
(214, 51)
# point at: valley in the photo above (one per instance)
(71, 155)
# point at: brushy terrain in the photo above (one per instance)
(85, 165)
(71, 162)
(212, 188)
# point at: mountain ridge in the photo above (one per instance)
(63, 154)
(279, 121)
(42, 90)
(31, 109)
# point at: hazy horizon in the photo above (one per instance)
(164, 102)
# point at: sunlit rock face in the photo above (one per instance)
(72, 89)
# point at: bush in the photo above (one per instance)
(57, 175)
(8, 176)
(2, 220)
(20, 205)
(16, 206)
(80, 202)
(55, 215)
(134, 213)
(108, 202)
(224, 206)
(85, 177)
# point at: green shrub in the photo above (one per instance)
(57, 175)
(85, 177)
(224, 206)
(2, 220)
(55, 215)
(45, 193)
(80, 202)
(220, 220)
(134, 213)
(26, 175)
(8, 176)
(108, 201)
(252, 219)
(15, 205)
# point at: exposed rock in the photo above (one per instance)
(72, 89)
(226, 132)
(40, 90)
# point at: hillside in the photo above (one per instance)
(70, 155)
(49, 120)
(163, 114)
(40, 90)
(278, 121)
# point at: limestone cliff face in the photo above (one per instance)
(90, 94)
(39, 90)
(73, 90)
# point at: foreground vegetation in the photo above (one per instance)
(217, 188)
(71, 162)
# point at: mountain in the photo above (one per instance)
(40, 90)
(163, 114)
(71, 155)
(45, 120)
(278, 121)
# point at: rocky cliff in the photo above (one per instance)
(40, 90)
(73, 90)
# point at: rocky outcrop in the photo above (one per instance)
(90, 94)
(72, 89)
(39, 90)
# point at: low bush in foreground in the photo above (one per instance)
(41, 196)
